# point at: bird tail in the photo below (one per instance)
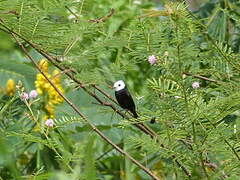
(135, 115)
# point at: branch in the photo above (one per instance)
(105, 94)
(69, 72)
(98, 20)
(104, 18)
(73, 13)
(94, 128)
(141, 126)
(201, 77)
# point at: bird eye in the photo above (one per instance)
(119, 85)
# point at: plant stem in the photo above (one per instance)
(94, 128)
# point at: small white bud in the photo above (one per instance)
(49, 123)
(195, 85)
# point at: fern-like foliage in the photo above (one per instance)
(192, 90)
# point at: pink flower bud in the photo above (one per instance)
(195, 85)
(152, 59)
(33, 94)
(49, 123)
(24, 96)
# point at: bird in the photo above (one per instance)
(124, 98)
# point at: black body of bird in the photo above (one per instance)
(124, 98)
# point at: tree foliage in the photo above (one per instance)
(192, 91)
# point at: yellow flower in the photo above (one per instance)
(37, 128)
(39, 91)
(54, 97)
(43, 87)
(41, 83)
(46, 117)
(50, 109)
(56, 77)
(43, 64)
(10, 87)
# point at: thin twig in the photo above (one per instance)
(69, 72)
(105, 94)
(98, 20)
(201, 77)
(104, 18)
(141, 126)
(73, 13)
(233, 150)
(106, 152)
(94, 128)
(53, 60)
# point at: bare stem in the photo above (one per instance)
(94, 128)
(70, 73)
(201, 77)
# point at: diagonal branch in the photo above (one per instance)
(104, 18)
(70, 73)
(201, 77)
(94, 128)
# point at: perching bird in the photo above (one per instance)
(124, 98)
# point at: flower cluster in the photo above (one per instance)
(49, 123)
(32, 95)
(44, 88)
(10, 87)
(152, 59)
(41, 83)
(195, 85)
(24, 96)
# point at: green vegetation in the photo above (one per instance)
(182, 67)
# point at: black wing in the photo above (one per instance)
(125, 100)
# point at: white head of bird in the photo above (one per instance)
(119, 85)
